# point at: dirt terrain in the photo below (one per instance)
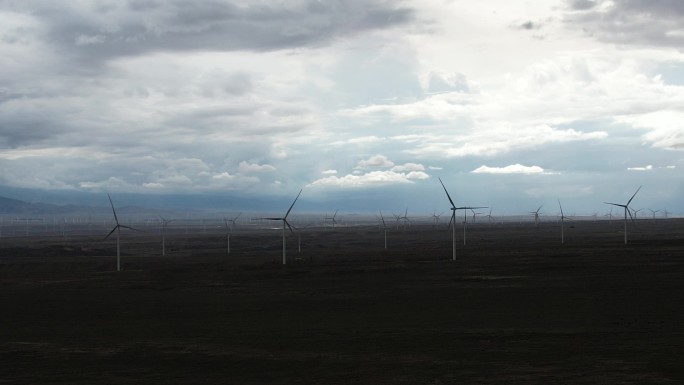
(515, 307)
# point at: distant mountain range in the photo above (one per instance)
(19, 207)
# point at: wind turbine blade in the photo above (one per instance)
(561, 209)
(288, 225)
(635, 193)
(447, 193)
(111, 232)
(238, 216)
(630, 214)
(114, 211)
(131, 228)
(615, 204)
(293, 203)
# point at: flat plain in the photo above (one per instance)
(515, 307)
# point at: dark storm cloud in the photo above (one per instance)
(639, 22)
(101, 31)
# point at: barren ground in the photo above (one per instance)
(515, 307)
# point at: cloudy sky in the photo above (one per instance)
(513, 104)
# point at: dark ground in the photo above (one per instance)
(516, 307)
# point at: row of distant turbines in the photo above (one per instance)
(230, 223)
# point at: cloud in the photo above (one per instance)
(665, 128)
(136, 27)
(645, 168)
(370, 179)
(408, 167)
(375, 161)
(633, 22)
(511, 169)
(329, 172)
(247, 168)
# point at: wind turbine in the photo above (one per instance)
(229, 229)
(475, 214)
(117, 228)
(465, 218)
(384, 228)
(397, 218)
(406, 219)
(435, 217)
(653, 212)
(453, 219)
(165, 225)
(627, 210)
(332, 219)
(536, 215)
(285, 223)
(610, 215)
(490, 218)
(562, 218)
(635, 212)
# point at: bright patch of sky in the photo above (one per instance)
(515, 104)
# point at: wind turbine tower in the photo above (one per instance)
(384, 228)
(165, 226)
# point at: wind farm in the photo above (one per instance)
(490, 302)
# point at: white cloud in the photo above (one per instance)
(329, 172)
(665, 128)
(511, 169)
(408, 167)
(373, 178)
(645, 168)
(246, 168)
(375, 162)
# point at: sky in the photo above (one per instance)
(362, 104)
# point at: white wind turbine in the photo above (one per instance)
(490, 218)
(435, 217)
(165, 225)
(653, 212)
(229, 229)
(627, 210)
(562, 218)
(536, 215)
(610, 215)
(465, 218)
(285, 223)
(475, 214)
(453, 219)
(117, 228)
